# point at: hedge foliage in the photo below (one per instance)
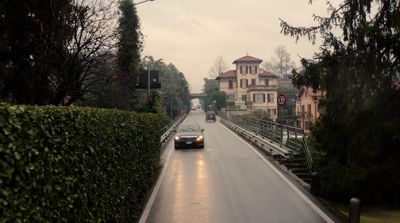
(74, 164)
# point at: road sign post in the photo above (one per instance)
(281, 102)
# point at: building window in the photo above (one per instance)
(247, 69)
(244, 83)
(244, 98)
(253, 82)
(309, 110)
(266, 82)
(253, 69)
(230, 84)
(259, 97)
(307, 125)
(270, 112)
(241, 69)
(270, 98)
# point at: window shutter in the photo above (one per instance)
(241, 83)
(247, 69)
(254, 97)
(247, 83)
(253, 82)
(263, 98)
(255, 69)
(266, 82)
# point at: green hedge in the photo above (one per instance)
(73, 164)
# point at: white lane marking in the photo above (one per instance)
(149, 205)
(150, 202)
(297, 190)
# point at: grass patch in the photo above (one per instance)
(369, 214)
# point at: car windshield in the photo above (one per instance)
(189, 128)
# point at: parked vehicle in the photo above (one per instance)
(189, 136)
(211, 116)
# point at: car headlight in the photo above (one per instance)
(176, 137)
(199, 138)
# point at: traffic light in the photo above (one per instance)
(143, 78)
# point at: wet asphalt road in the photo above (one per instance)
(227, 182)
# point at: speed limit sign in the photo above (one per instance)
(281, 99)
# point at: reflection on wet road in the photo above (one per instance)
(225, 182)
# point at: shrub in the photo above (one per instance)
(73, 164)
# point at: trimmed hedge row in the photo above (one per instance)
(73, 164)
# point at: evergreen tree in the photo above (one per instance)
(358, 134)
(129, 48)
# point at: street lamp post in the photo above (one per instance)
(148, 79)
(142, 2)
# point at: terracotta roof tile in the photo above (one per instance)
(266, 74)
(248, 59)
(310, 92)
(227, 74)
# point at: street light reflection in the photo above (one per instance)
(191, 193)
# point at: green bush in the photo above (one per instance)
(73, 164)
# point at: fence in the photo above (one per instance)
(286, 136)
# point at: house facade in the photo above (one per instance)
(307, 107)
(249, 87)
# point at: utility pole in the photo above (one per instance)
(148, 80)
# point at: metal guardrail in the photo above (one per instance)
(286, 136)
(257, 139)
(168, 130)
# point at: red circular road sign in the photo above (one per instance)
(281, 99)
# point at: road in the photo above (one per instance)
(227, 181)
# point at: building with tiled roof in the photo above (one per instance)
(250, 87)
(307, 107)
(247, 59)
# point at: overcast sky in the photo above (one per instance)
(191, 34)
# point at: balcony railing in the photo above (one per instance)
(262, 87)
(304, 115)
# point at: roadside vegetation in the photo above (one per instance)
(369, 214)
(75, 164)
(357, 136)
(77, 142)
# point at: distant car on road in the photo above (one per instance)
(189, 136)
(211, 116)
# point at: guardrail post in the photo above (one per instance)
(281, 136)
(315, 183)
(355, 210)
(270, 154)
